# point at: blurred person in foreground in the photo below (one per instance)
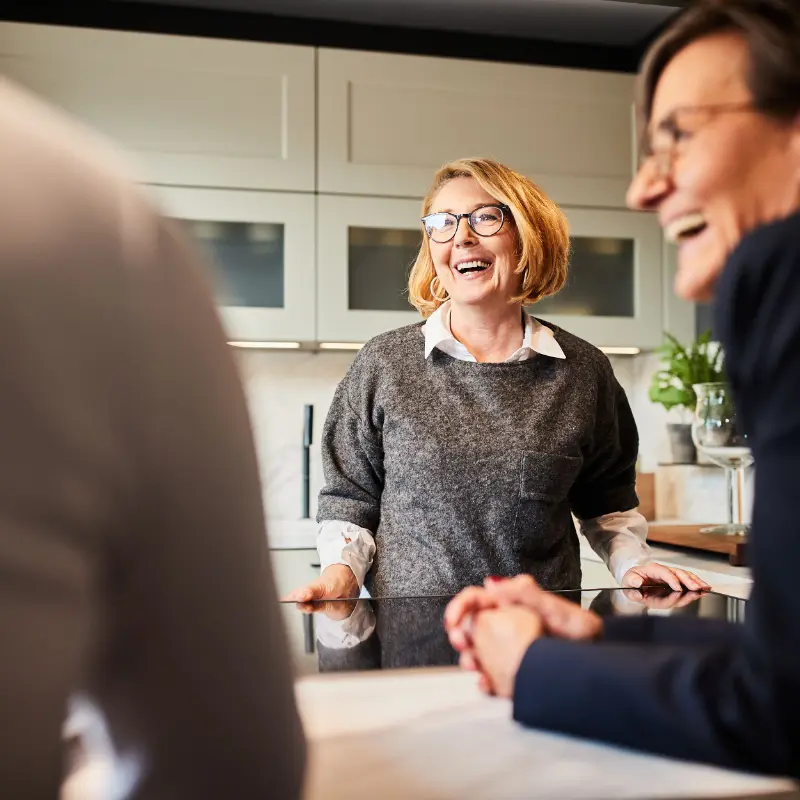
(133, 554)
(721, 108)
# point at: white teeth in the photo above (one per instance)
(688, 224)
(463, 267)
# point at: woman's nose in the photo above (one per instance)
(464, 234)
(648, 188)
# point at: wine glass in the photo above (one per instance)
(716, 434)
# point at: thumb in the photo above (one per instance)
(633, 579)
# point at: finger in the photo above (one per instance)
(305, 594)
(632, 579)
(521, 590)
(634, 595)
(484, 684)
(662, 574)
(467, 661)
(688, 598)
(466, 603)
(570, 621)
(691, 581)
(459, 639)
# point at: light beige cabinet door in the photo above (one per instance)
(191, 112)
(293, 568)
(386, 122)
(366, 248)
(261, 248)
(614, 292)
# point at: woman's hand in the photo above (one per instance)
(653, 574)
(500, 639)
(661, 602)
(337, 582)
(492, 627)
(559, 616)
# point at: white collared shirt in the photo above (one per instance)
(537, 338)
(618, 538)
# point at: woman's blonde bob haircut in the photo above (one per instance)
(541, 226)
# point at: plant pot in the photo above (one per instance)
(680, 443)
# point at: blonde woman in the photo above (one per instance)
(458, 448)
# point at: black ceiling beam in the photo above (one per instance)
(247, 26)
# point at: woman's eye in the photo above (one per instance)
(676, 133)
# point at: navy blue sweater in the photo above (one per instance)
(692, 688)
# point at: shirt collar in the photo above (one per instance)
(537, 338)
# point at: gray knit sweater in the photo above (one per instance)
(464, 470)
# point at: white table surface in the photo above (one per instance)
(430, 734)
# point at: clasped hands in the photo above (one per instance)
(492, 627)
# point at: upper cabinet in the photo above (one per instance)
(613, 296)
(387, 122)
(261, 247)
(370, 245)
(192, 112)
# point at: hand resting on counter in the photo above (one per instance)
(337, 582)
(654, 574)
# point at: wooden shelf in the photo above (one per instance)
(689, 536)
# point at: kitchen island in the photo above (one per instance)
(288, 536)
(390, 716)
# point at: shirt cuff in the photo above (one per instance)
(340, 542)
(619, 538)
(343, 634)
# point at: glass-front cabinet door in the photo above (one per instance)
(366, 246)
(260, 248)
(613, 295)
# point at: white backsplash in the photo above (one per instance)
(279, 384)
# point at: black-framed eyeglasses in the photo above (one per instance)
(663, 142)
(441, 227)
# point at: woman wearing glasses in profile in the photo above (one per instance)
(459, 447)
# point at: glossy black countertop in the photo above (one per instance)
(401, 632)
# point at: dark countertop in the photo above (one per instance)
(402, 632)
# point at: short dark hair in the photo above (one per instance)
(771, 29)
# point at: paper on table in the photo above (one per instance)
(466, 746)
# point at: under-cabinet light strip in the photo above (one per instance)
(267, 345)
(621, 351)
(340, 345)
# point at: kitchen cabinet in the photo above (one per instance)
(387, 122)
(191, 111)
(369, 247)
(261, 249)
(304, 179)
(680, 316)
(293, 568)
(613, 296)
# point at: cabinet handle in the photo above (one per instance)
(315, 566)
(308, 631)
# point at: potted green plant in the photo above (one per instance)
(681, 368)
